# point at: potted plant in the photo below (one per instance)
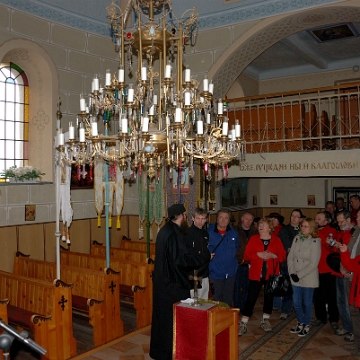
(24, 174)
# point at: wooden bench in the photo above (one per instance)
(135, 279)
(94, 292)
(45, 309)
(137, 245)
(122, 254)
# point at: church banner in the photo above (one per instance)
(299, 164)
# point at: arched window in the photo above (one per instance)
(14, 116)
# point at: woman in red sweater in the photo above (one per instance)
(264, 252)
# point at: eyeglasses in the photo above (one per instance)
(341, 221)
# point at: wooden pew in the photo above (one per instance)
(137, 245)
(135, 278)
(95, 292)
(45, 309)
(123, 254)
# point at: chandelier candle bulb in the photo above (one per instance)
(61, 138)
(82, 104)
(233, 136)
(130, 97)
(211, 87)
(96, 85)
(187, 75)
(187, 98)
(155, 99)
(145, 124)
(208, 118)
(220, 107)
(94, 128)
(200, 127)
(107, 78)
(71, 131)
(152, 110)
(143, 73)
(237, 129)
(81, 134)
(168, 72)
(121, 75)
(124, 125)
(178, 114)
(206, 84)
(225, 128)
(201, 99)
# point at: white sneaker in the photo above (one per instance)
(297, 328)
(304, 331)
(265, 325)
(242, 328)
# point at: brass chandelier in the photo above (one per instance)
(164, 116)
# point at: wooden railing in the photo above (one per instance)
(324, 118)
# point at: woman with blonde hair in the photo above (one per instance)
(303, 260)
(264, 252)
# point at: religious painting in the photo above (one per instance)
(311, 200)
(254, 200)
(333, 33)
(30, 212)
(234, 193)
(273, 199)
(183, 181)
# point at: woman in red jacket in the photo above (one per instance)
(264, 252)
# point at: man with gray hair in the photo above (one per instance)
(223, 245)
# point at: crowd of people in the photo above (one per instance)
(234, 263)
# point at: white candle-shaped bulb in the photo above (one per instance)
(237, 128)
(143, 73)
(206, 84)
(178, 114)
(208, 118)
(82, 133)
(220, 107)
(108, 78)
(201, 99)
(187, 98)
(167, 71)
(130, 97)
(71, 131)
(94, 128)
(200, 127)
(121, 75)
(187, 75)
(145, 124)
(96, 83)
(124, 125)
(152, 110)
(61, 138)
(211, 87)
(225, 128)
(155, 99)
(82, 104)
(233, 137)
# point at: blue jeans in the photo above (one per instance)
(343, 305)
(303, 300)
(241, 289)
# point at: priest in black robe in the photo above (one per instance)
(171, 283)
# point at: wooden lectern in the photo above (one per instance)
(206, 332)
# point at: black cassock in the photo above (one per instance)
(171, 284)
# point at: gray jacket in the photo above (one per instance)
(303, 260)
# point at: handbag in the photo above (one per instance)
(279, 285)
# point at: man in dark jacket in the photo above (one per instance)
(170, 279)
(197, 241)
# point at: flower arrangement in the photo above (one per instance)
(22, 174)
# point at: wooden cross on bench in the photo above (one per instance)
(196, 278)
(62, 302)
(112, 286)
